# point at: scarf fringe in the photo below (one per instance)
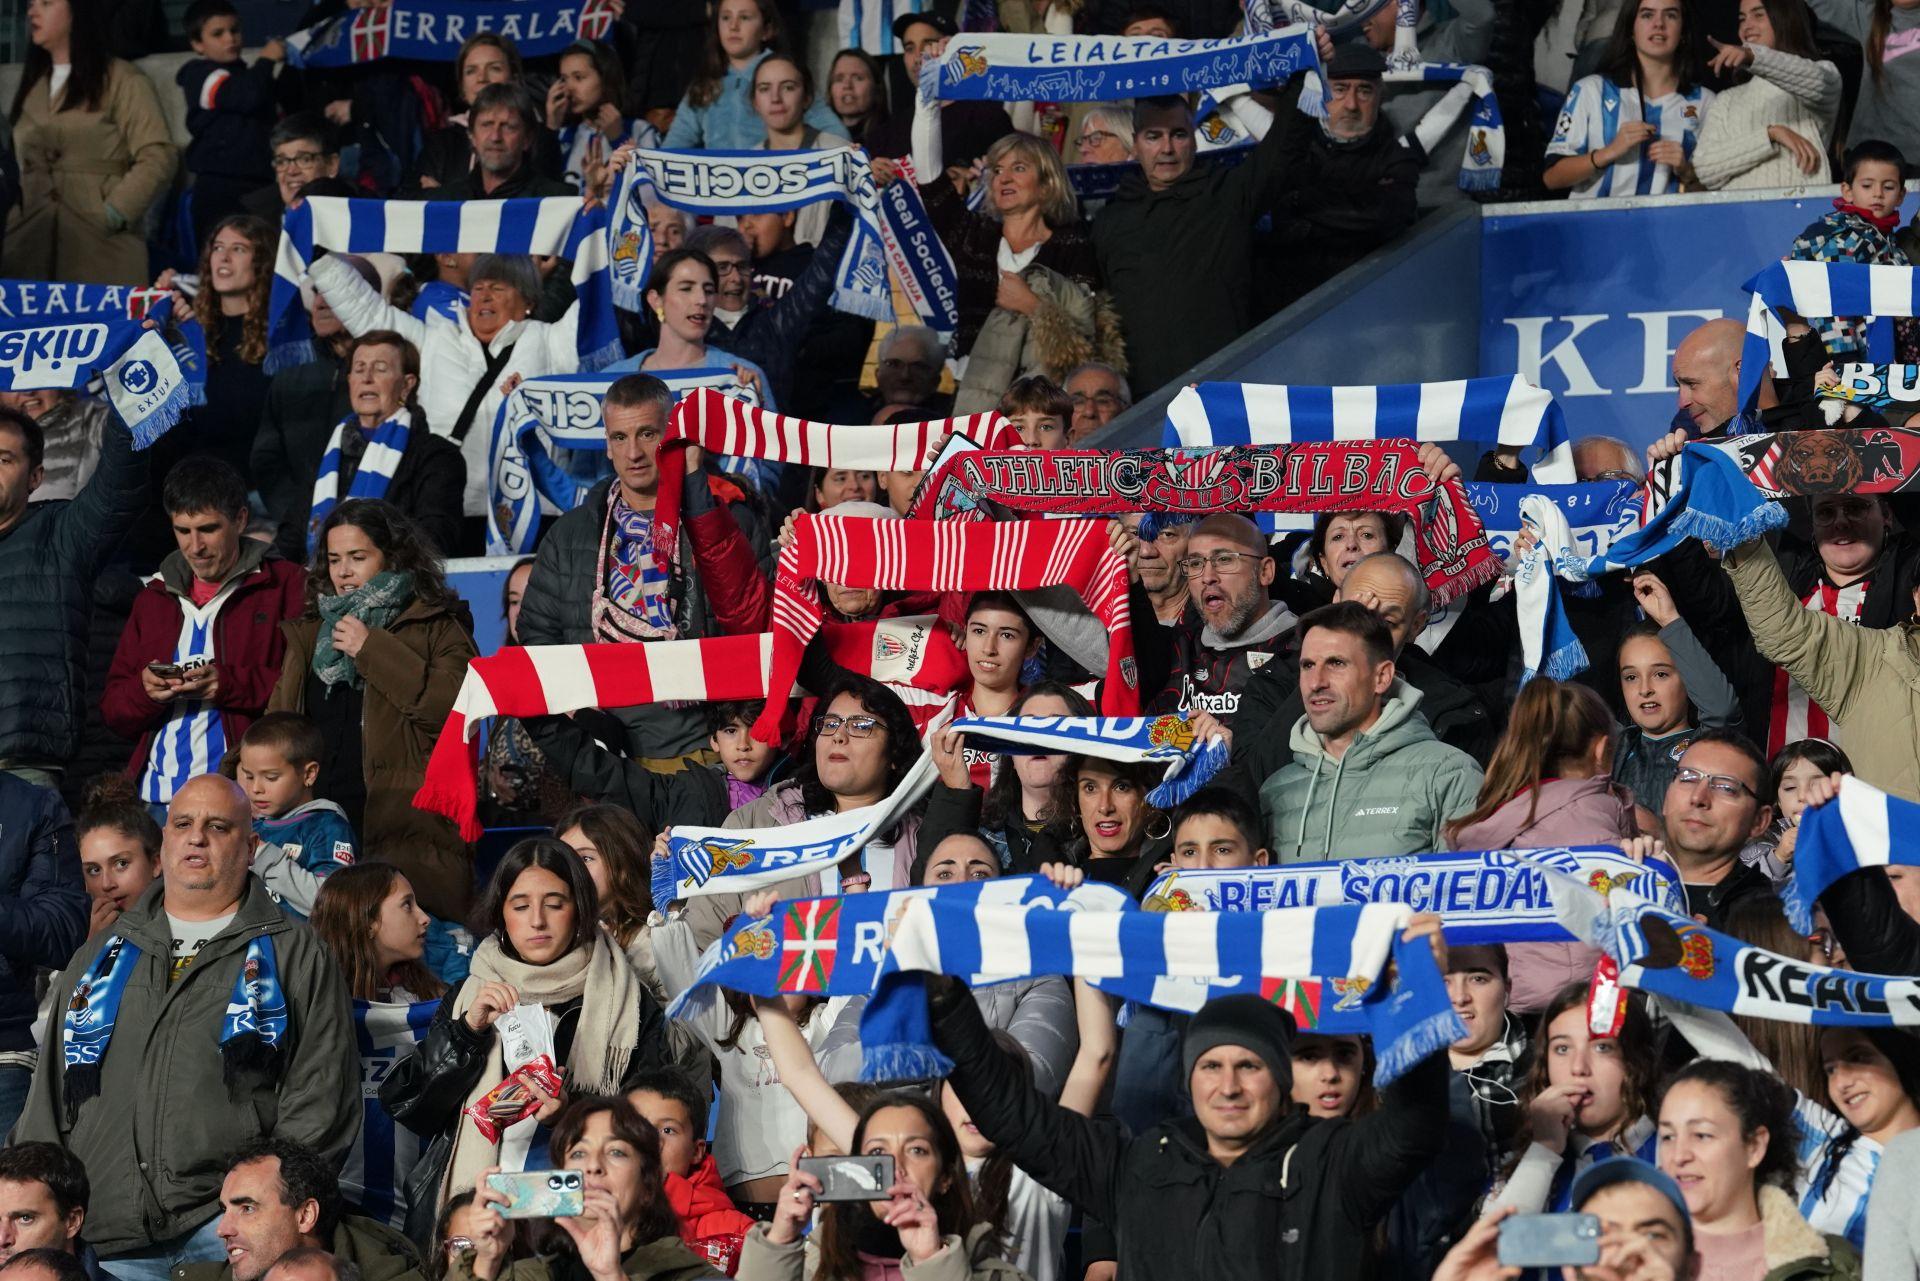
(903, 1062)
(1189, 775)
(248, 1054)
(592, 362)
(863, 303)
(80, 1084)
(1564, 663)
(1722, 533)
(285, 355)
(1479, 180)
(166, 416)
(1425, 1038)
(663, 886)
(1470, 577)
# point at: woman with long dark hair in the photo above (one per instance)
(1886, 105)
(1630, 129)
(543, 945)
(1018, 814)
(718, 109)
(94, 153)
(1774, 127)
(617, 849)
(376, 661)
(680, 291)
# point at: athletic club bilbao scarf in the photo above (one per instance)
(1674, 956)
(836, 946)
(1328, 966)
(1129, 740)
(940, 556)
(106, 352)
(1503, 412)
(435, 30)
(553, 227)
(1862, 827)
(1817, 291)
(1806, 464)
(720, 183)
(1489, 896)
(251, 1031)
(1356, 475)
(730, 427)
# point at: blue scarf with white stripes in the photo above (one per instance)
(1861, 827)
(556, 226)
(378, 461)
(102, 350)
(435, 30)
(1128, 739)
(1816, 291)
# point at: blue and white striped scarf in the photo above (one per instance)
(1128, 739)
(103, 351)
(1486, 151)
(719, 183)
(919, 258)
(434, 30)
(1490, 896)
(1045, 68)
(378, 462)
(374, 1176)
(1817, 290)
(553, 227)
(868, 25)
(1862, 827)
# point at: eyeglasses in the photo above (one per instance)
(1723, 785)
(895, 364)
(1096, 137)
(856, 726)
(725, 268)
(1618, 475)
(1822, 941)
(1224, 564)
(1103, 399)
(299, 160)
(457, 1245)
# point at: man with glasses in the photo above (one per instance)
(1238, 628)
(1099, 393)
(907, 373)
(1713, 808)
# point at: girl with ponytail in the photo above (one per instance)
(1548, 783)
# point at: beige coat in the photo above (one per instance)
(75, 163)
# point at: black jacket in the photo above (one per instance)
(303, 404)
(1339, 201)
(973, 239)
(771, 334)
(1869, 923)
(43, 906)
(229, 120)
(957, 809)
(1179, 262)
(1299, 1204)
(48, 562)
(427, 485)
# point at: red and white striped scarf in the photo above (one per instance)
(911, 656)
(1795, 715)
(942, 556)
(723, 424)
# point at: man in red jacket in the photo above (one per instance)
(202, 647)
(709, 1223)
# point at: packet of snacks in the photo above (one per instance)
(526, 1046)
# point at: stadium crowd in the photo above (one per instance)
(234, 666)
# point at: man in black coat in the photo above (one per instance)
(1249, 1186)
(44, 921)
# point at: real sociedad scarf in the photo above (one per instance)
(718, 183)
(384, 447)
(133, 365)
(1862, 827)
(737, 860)
(556, 226)
(1674, 956)
(1317, 476)
(1486, 150)
(919, 258)
(1490, 896)
(1045, 68)
(943, 556)
(1129, 740)
(730, 427)
(836, 947)
(1327, 966)
(1507, 412)
(435, 30)
(1818, 290)
(251, 1031)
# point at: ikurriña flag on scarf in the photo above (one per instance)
(1308, 477)
(435, 30)
(1861, 827)
(1674, 956)
(1816, 291)
(557, 226)
(721, 183)
(942, 556)
(123, 357)
(1130, 740)
(835, 946)
(1486, 896)
(1327, 966)
(1495, 412)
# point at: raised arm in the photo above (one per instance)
(800, 1073)
(1834, 661)
(359, 305)
(1087, 1078)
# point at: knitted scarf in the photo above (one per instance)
(435, 30)
(1816, 291)
(622, 609)
(922, 555)
(377, 602)
(251, 1033)
(721, 424)
(1190, 763)
(1359, 475)
(378, 462)
(1806, 464)
(139, 373)
(603, 1040)
(1862, 827)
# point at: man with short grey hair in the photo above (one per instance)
(503, 128)
(907, 371)
(1099, 394)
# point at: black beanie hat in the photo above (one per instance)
(1247, 1021)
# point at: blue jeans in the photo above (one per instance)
(156, 1262)
(14, 1082)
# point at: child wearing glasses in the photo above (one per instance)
(1671, 688)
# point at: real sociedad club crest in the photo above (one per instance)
(972, 60)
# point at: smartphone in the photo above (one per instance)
(168, 671)
(541, 1194)
(850, 1178)
(1550, 1241)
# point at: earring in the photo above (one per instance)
(660, 314)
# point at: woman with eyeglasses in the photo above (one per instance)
(1106, 136)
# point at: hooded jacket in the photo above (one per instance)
(247, 645)
(155, 1140)
(380, 1253)
(1795, 1251)
(1390, 793)
(710, 1224)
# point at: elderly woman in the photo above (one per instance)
(472, 359)
(382, 448)
(1106, 136)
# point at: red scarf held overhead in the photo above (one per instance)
(1885, 224)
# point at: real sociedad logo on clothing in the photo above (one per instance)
(55, 347)
(139, 377)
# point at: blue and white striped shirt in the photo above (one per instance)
(1594, 111)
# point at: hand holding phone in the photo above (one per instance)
(1550, 1241)
(850, 1178)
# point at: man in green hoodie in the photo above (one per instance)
(1368, 778)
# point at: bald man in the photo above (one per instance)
(204, 1020)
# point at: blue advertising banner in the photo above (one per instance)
(1588, 299)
